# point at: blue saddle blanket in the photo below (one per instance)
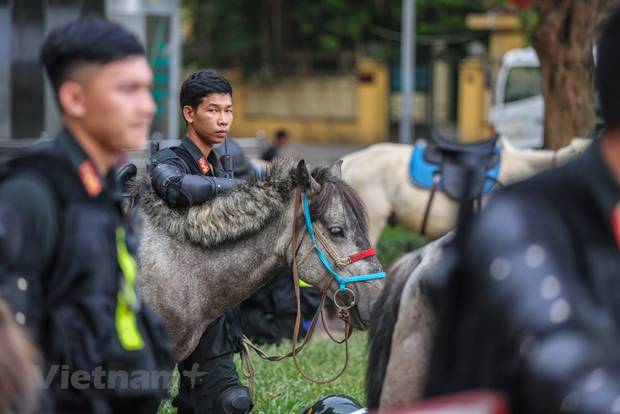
(422, 172)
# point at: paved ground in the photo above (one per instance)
(316, 154)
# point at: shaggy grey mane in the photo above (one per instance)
(241, 212)
(247, 208)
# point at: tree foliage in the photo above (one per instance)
(259, 34)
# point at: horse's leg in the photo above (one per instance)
(411, 341)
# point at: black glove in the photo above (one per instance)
(197, 189)
(186, 190)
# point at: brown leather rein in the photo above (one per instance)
(343, 313)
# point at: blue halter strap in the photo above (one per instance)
(341, 280)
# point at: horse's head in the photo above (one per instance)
(340, 230)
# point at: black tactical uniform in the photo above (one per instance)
(69, 274)
(534, 310)
(184, 177)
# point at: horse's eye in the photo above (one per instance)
(336, 231)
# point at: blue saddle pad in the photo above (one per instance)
(422, 172)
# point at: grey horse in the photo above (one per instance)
(401, 330)
(198, 262)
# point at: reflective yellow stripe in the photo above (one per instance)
(303, 284)
(128, 268)
(127, 299)
(127, 327)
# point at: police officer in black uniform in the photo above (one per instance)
(188, 175)
(68, 268)
(534, 311)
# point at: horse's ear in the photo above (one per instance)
(304, 180)
(336, 169)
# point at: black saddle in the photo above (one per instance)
(453, 159)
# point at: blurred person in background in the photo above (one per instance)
(273, 150)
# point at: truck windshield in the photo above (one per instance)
(522, 82)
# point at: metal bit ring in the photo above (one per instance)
(339, 300)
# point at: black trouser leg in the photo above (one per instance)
(210, 369)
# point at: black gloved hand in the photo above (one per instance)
(198, 189)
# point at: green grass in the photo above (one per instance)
(279, 388)
(396, 241)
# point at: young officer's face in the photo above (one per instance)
(117, 106)
(212, 118)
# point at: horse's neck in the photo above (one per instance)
(256, 257)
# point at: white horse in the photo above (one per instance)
(380, 175)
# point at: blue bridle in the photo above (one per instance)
(341, 280)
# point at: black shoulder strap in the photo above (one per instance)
(167, 154)
(54, 169)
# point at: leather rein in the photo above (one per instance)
(344, 298)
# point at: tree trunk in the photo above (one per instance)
(563, 41)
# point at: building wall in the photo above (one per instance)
(345, 108)
(475, 91)
(320, 97)
(505, 33)
(418, 112)
(474, 101)
(435, 92)
(27, 105)
(442, 92)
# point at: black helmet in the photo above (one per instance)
(336, 404)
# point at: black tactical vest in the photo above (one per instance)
(91, 318)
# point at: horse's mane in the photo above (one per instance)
(246, 209)
(330, 186)
(384, 316)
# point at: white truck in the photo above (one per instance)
(518, 112)
(519, 108)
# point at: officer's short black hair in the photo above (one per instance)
(201, 84)
(89, 39)
(608, 62)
